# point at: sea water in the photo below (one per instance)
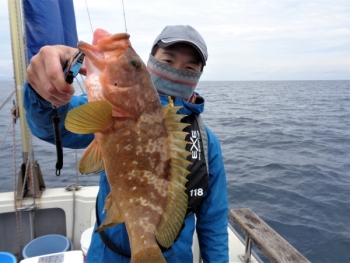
(286, 149)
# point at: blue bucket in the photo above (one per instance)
(46, 245)
(7, 258)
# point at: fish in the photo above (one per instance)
(140, 145)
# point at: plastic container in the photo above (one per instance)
(46, 245)
(85, 241)
(62, 257)
(6, 257)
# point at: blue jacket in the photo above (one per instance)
(211, 216)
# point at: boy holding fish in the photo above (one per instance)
(175, 65)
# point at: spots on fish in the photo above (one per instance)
(128, 147)
(139, 150)
(146, 225)
(149, 148)
(160, 168)
(160, 185)
(158, 153)
(150, 125)
(134, 173)
(151, 118)
(146, 203)
(159, 145)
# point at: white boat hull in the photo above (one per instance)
(77, 210)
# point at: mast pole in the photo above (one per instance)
(19, 67)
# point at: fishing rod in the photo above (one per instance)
(87, 9)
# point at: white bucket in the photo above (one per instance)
(85, 240)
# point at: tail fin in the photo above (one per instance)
(149, 255)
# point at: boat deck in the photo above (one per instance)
(70, 213)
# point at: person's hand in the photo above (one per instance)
(46, 77)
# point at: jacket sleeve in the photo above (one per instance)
(212, 213)
(39, 119)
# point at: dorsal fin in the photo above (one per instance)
(176, 203)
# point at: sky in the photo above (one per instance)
(247, 40)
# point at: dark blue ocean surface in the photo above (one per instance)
(286, 148)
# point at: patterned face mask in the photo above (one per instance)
(170, 81)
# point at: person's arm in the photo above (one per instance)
(39, 119)
(212, 213)
(46, 87)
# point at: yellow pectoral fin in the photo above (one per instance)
(91, 160)
(113, 216)
(91, 117)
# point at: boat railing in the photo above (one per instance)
(268, 241)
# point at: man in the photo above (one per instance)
(176, 63)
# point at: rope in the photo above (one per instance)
(76, 167)
(18, 214)
(73, 187)
(8, 128)
(8, 98)
(14, 114)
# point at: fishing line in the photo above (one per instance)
(126, 31)
(89, 17)
(81, 87)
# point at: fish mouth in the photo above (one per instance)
(100, 34)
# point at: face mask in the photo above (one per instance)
(172, 81)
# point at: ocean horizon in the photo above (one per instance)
(286, 150)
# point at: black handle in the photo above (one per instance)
(58, 141)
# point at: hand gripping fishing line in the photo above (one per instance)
(70, 70)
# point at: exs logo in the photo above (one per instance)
(196, 146)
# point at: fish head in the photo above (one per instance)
(116, 73)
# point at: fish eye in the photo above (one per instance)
(136, 63)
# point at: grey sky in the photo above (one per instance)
(246, 39)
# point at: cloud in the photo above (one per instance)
(247, 39)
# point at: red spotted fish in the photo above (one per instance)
(139, 143)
